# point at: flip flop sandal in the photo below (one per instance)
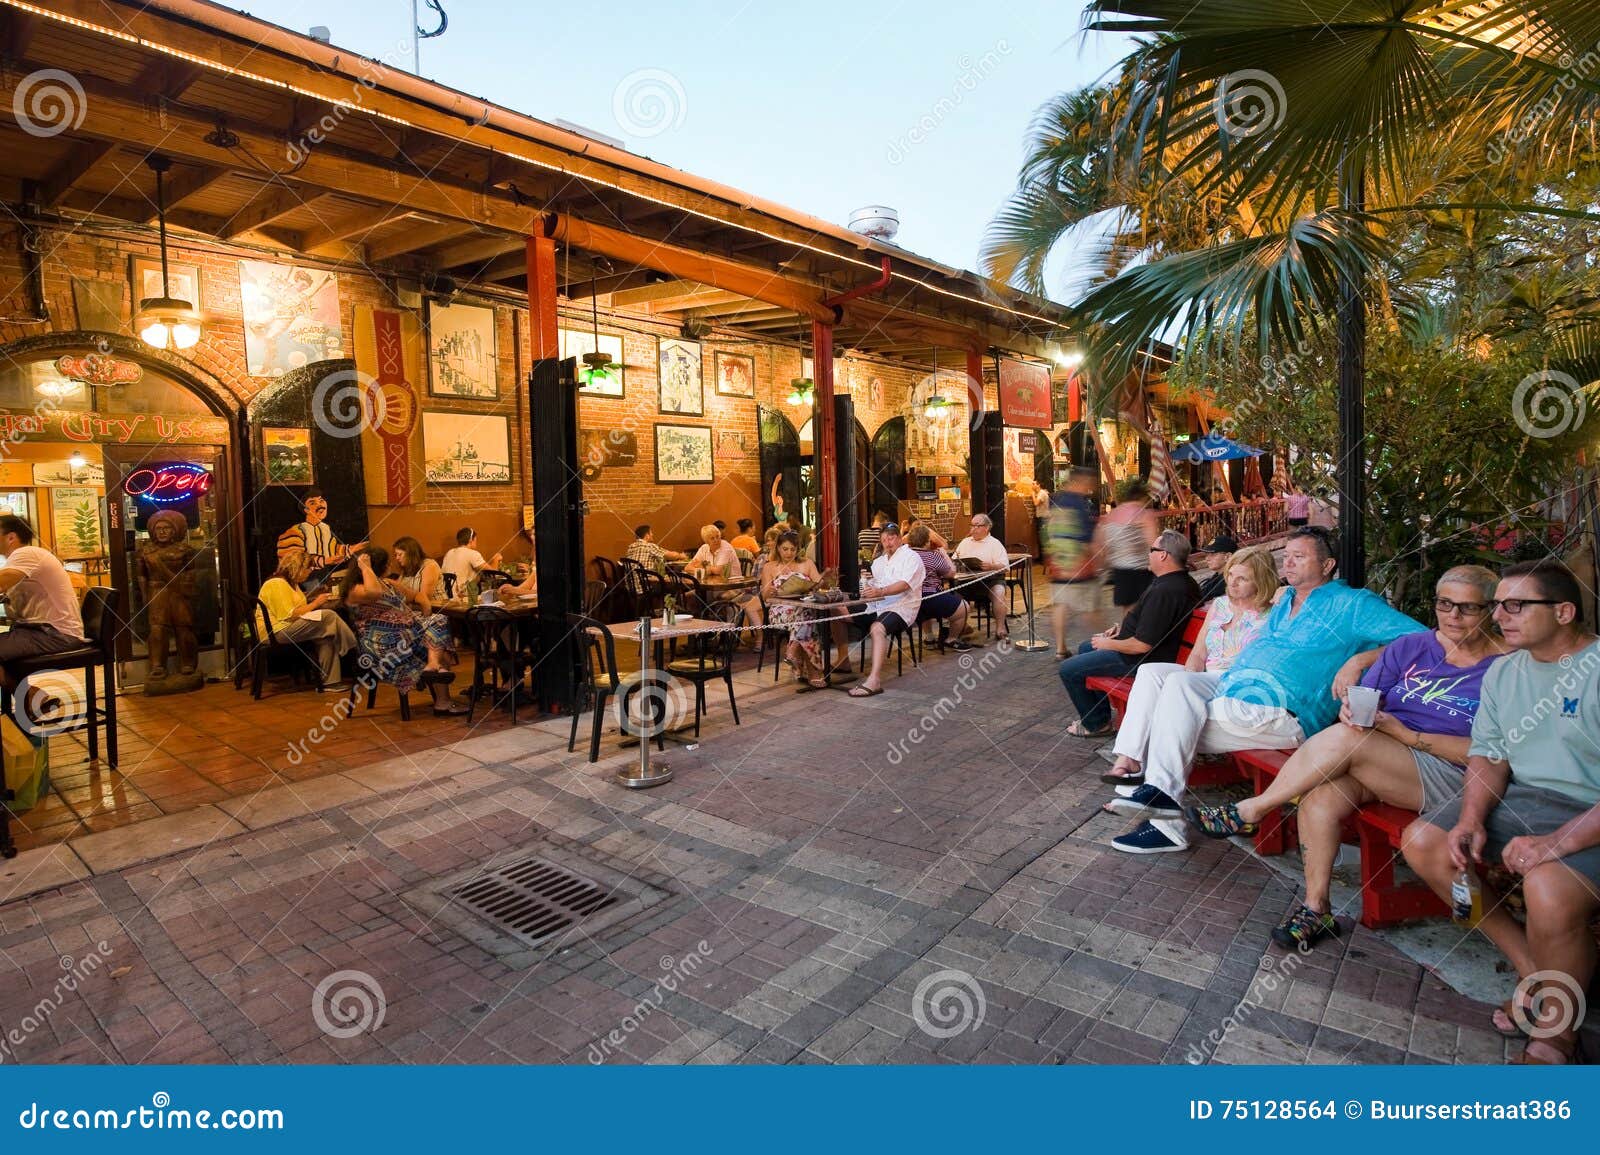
(1076, 730)
(1123, 779)
(1221, 821)
(1508, 1009)
(865, 692)
(1566, 1046)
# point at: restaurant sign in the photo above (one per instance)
(112, 429)
(1024, 393)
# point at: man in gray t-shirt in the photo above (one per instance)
(1532, 798)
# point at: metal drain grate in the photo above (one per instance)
(533, 899)
(539, 897)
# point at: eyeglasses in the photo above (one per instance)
(1466, 609)
(1514, 606)
(1157, 549)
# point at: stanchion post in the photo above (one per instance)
(644, 775)
(1031, 645)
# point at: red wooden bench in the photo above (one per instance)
(1377, 828)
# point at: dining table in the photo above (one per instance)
(650, 634)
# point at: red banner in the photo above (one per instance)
(387, 360)
(1025, 394)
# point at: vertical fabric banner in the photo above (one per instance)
(388, 347)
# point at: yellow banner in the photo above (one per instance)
(389, 361)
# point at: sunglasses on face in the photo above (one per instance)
(1514, 606)
(1466, 609)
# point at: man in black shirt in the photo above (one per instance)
(1215, 556)
(1152, 631)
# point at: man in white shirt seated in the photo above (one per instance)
(894, 596)
(43, 607)
(465, 562)
(981, 544)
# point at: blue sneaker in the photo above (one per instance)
(1155, 837)
(1144, 802)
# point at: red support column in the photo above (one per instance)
(824, 438)
(542, 325)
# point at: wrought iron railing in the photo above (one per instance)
(1247, 521)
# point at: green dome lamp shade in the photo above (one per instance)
(596, 365)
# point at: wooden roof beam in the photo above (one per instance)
(478, 250)
(413, 239)
(190, 183)
(345, 225)
(609, 285)
(272, 202)
(72, 168)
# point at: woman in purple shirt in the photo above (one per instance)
(1412, 756)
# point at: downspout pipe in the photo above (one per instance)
(866, 290)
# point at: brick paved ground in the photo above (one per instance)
(828, 878)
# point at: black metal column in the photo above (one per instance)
(848, 479)
(994, 475)
(557, 527)
(1352, 465)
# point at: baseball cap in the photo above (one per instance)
(1222, 543)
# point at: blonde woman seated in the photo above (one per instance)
(1231, 624)
(295, 619)
(717, 559)
(803, 653)
(1413, 756)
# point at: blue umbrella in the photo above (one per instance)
(1214, 448)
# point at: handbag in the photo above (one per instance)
(27, 765)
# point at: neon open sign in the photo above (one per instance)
(167, 484)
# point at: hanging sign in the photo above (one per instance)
(168, 483)
(388, 363)
(1025, 394)
(107, 429)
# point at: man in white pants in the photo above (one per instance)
(1320, 634)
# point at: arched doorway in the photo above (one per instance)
(103, 432)
(888, 463)
(781, 460)
(812, 483)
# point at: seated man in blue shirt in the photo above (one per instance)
(1285, 686)
(1532, 800)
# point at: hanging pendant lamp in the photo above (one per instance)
(166, 322)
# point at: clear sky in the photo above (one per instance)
(825, 106)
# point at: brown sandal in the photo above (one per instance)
(1564, 1046)
(1509, 1010)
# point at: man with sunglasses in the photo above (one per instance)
(1532, 799)
(1151, 631)
(1320, 637)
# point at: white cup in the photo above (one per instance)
(1363, 702)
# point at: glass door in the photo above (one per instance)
(190, 480)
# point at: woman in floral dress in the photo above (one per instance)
(403, 647)
(804, 653)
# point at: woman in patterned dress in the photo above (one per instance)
(402, 646)
(803, 654)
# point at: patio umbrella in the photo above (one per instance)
(1214, 448)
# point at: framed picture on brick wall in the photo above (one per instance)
(683, 455)
(461, 352)
(682, 387)
(466, 447)
(736, 375)
(183, 278)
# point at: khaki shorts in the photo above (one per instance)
(1082, 597)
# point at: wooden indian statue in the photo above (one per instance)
(167, 579)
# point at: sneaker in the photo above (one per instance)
(1304, 929)
(1221, 821)
(1157, 837)
(1144, 802)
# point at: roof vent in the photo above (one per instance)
(320, 33)
(879, 222)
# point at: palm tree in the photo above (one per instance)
(1222, 145)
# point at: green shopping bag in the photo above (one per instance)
(27, 765)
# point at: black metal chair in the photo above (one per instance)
(499, 661)
(493, 579)
(645, 588)
(899, 644)
(712, 659)
(598, 682)
(615, 598)
(594, 597)
(259, 651)
(1014, 577)
(775, 636)
(102, 622)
